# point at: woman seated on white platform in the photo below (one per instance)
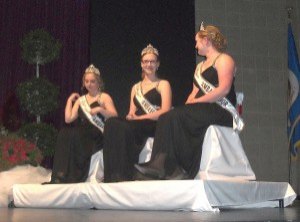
(125, 138)
(177, 148)
(75, 145)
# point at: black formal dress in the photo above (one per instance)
(124, 140)
(74, 148)
(180, 132)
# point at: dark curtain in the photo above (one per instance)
(67, 21)
(122, 28)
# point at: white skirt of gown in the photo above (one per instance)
(20, 175)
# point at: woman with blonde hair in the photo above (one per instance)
(75, 145)
(179, 133)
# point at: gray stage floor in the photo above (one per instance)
(291, 213)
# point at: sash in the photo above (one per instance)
(94, 119)
(206, 87)
(145, 104)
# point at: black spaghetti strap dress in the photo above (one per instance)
(179, 133)
(124, 140)
(74, 148)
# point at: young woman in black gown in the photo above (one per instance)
(125, 138)
(76, 144)
(179, 133)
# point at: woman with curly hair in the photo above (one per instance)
(180, 133)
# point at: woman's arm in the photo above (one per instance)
(192, 95)
(71, 111)
(132, 107)
(166, 101)
(225, 67)
(106, 108)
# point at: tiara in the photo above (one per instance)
(150, 49)
(201, 28)
(92, 69)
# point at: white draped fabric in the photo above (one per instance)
(138, 195)
(223, 157)
(188, 195)
(223, 181)
(21, 175)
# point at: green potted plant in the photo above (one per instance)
(39, 47)
(38, 96)
(42, 134)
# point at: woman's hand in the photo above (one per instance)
(191, 97)
(96, 110)
(107, 108)
(73, 97)
(131, 116)
(191, 101)
(71, 111)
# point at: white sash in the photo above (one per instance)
(206, 87)
(94, 119)
(145, 104)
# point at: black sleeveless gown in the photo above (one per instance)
(74, 148)
(180, 132)
(124, 140)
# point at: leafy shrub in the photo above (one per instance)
(38, 96)
(44, 135)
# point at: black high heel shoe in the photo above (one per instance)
(150, 172)
(11, 204)
(53, 181)
(179, 174)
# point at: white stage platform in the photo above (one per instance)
(187, 195)
(225, 180)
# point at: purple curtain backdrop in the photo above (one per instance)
(66, 20)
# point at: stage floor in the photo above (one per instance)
(291, 213)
